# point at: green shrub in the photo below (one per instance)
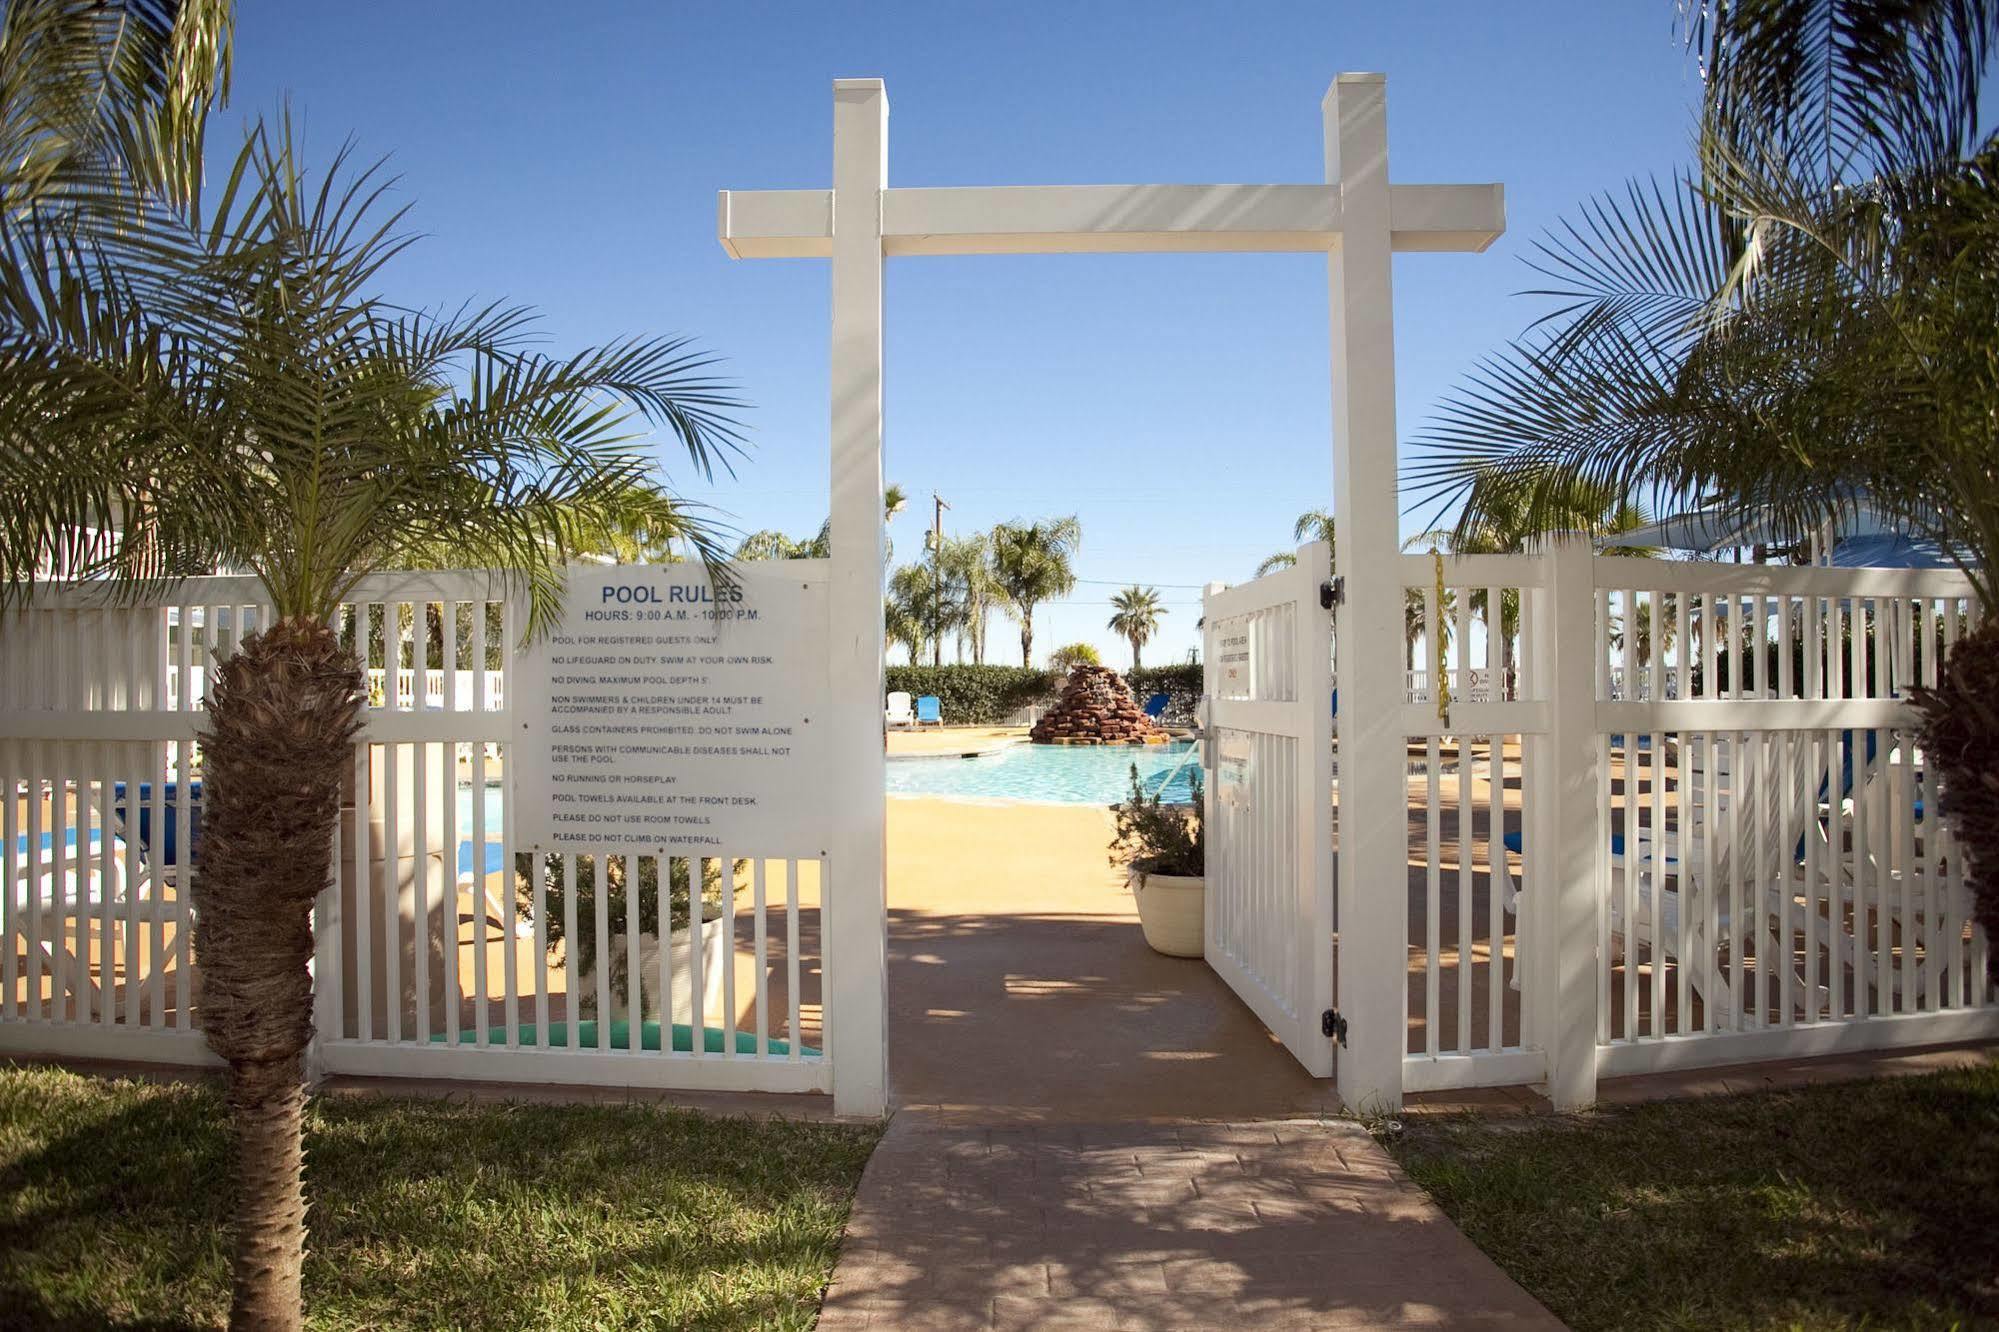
(1073, 654)
(1157, 838)
(975, 695)
(1180, 683)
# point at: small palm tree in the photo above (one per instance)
(1032, 563)
(1283, 559)
(1136, 617)
(224, 392)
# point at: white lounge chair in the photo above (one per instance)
(1777, 877)
(899, 711)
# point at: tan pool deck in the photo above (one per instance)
(1021, 989)
(953, 741)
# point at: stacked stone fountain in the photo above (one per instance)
(1096, 708)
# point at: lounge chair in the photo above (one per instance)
(898, 712)
(1155, 707)
(1823, 820)
(929, 711)
(66, 887)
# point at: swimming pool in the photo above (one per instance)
(1049, 774)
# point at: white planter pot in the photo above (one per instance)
(716, 954)
(1171, 911)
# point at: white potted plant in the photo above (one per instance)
(1164, 848)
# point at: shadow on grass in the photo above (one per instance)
(112, 1201)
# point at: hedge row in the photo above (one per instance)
(988, 695)
(1180, 683)
(975, 695)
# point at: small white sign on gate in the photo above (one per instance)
(1232, 762)
(1235, 661)
(664, 711)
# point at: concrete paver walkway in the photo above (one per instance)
(1092, 1135)
(1020, 987)
(1289, 1224)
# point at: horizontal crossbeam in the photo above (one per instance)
(1107, 219)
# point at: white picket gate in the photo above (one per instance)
(1268, 756)
(1739, 858)
(433, 947)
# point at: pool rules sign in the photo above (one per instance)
(666, 713)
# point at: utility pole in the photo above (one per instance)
(937, 579)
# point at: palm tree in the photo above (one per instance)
(965, 564)
(771, 544)
(1807, 321)
(917, 614)
(1032, 563)
(1312, 525)
(1136, 618)
(900, 624)
(224, 392)
(1502, 521)
(1414, 608)
(103, 104)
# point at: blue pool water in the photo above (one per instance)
(493, 861)
(495, 858)
(1050, 774)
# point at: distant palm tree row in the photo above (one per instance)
(1012, 568)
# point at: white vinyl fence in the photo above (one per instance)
(1740, 858)
(445, 948)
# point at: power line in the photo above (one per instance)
(1128, 582)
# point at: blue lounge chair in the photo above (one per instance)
(165, 852)
(929, 711)
(1155, 707)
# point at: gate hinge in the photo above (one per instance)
(1332, 592)
(1333, 1026)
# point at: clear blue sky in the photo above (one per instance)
(568, 157)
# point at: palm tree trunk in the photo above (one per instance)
(1134, 654)
(1027, 638)
(277, 745)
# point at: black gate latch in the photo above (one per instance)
(1332, 592)
(1332, 1025)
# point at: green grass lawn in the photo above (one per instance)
(424, 1213)
(1871, 1204)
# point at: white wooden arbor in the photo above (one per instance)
(1358, 219)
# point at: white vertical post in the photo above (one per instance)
(856, 925)
(1373, 872)
(1313, 671)
(1564, 840)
